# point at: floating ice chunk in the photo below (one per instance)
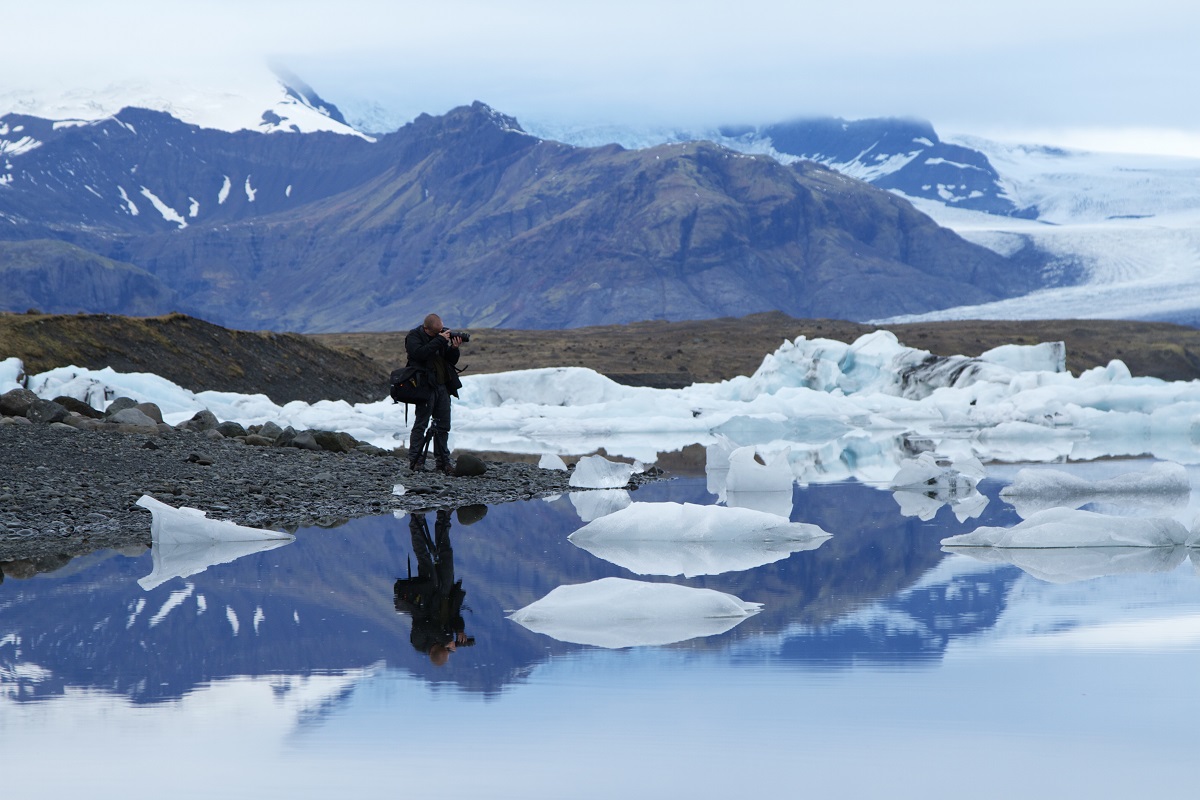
(185, 541)
(615, 612)
(746, 474)
(687, 539)
(1067, 527)
(597, 472)
(1070, 564)
(551, 461)
(599, 503)
(1164, 484)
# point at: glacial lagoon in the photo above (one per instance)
(878, 665)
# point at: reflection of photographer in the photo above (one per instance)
(434, 350)
(433, 598)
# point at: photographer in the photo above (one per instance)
(434, 350)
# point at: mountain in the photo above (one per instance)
(469, 214)
(904, 156)
(1118, 233)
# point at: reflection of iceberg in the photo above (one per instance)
(615, 612)
(777, 503)
(187, 542)
(1163, 485)
(597, 472)
(924, 484)
(1069, 564)
(686, 539)
(1067, 527)
(599, 502)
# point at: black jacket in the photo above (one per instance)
(428, 352)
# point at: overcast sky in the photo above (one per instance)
(1058, 70)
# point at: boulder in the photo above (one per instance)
(286, 436)
(230, 429)
(131, 416)
(335, 441)
(305, 441)
(78, 406)
(258, 441)
(118, 405)
(151, 410)
(201, 421)
(16, 403)
(46, 411)
(468, 465)
(270, 431)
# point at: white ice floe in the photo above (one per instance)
(185, 541)
(615, 612)
(597, 472)
(748, 474)
(1163, 485)
(686, 539)
(1068, 527)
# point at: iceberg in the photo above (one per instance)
(617, 612)
(689, 540)
(1163, 485)
(597, 472)
(186, 542)
(1068, 527)
(844, 409)
(552, 461)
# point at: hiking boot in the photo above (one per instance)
(416, 465)
(445, 467)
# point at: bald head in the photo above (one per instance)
(432, 324)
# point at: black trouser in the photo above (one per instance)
(438, 408)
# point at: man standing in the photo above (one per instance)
(432, 349)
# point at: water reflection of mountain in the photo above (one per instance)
(324, 603)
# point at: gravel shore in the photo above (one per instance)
(66, 492)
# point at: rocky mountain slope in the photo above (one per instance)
(468, 214)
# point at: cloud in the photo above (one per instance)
(1029, 63)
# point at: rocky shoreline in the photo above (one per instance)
(69, 487)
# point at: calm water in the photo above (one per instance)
(879, 667)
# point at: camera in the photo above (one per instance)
(466, 337)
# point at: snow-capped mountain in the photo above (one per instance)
(266, 101)
(1102, 235)
(465, 212)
